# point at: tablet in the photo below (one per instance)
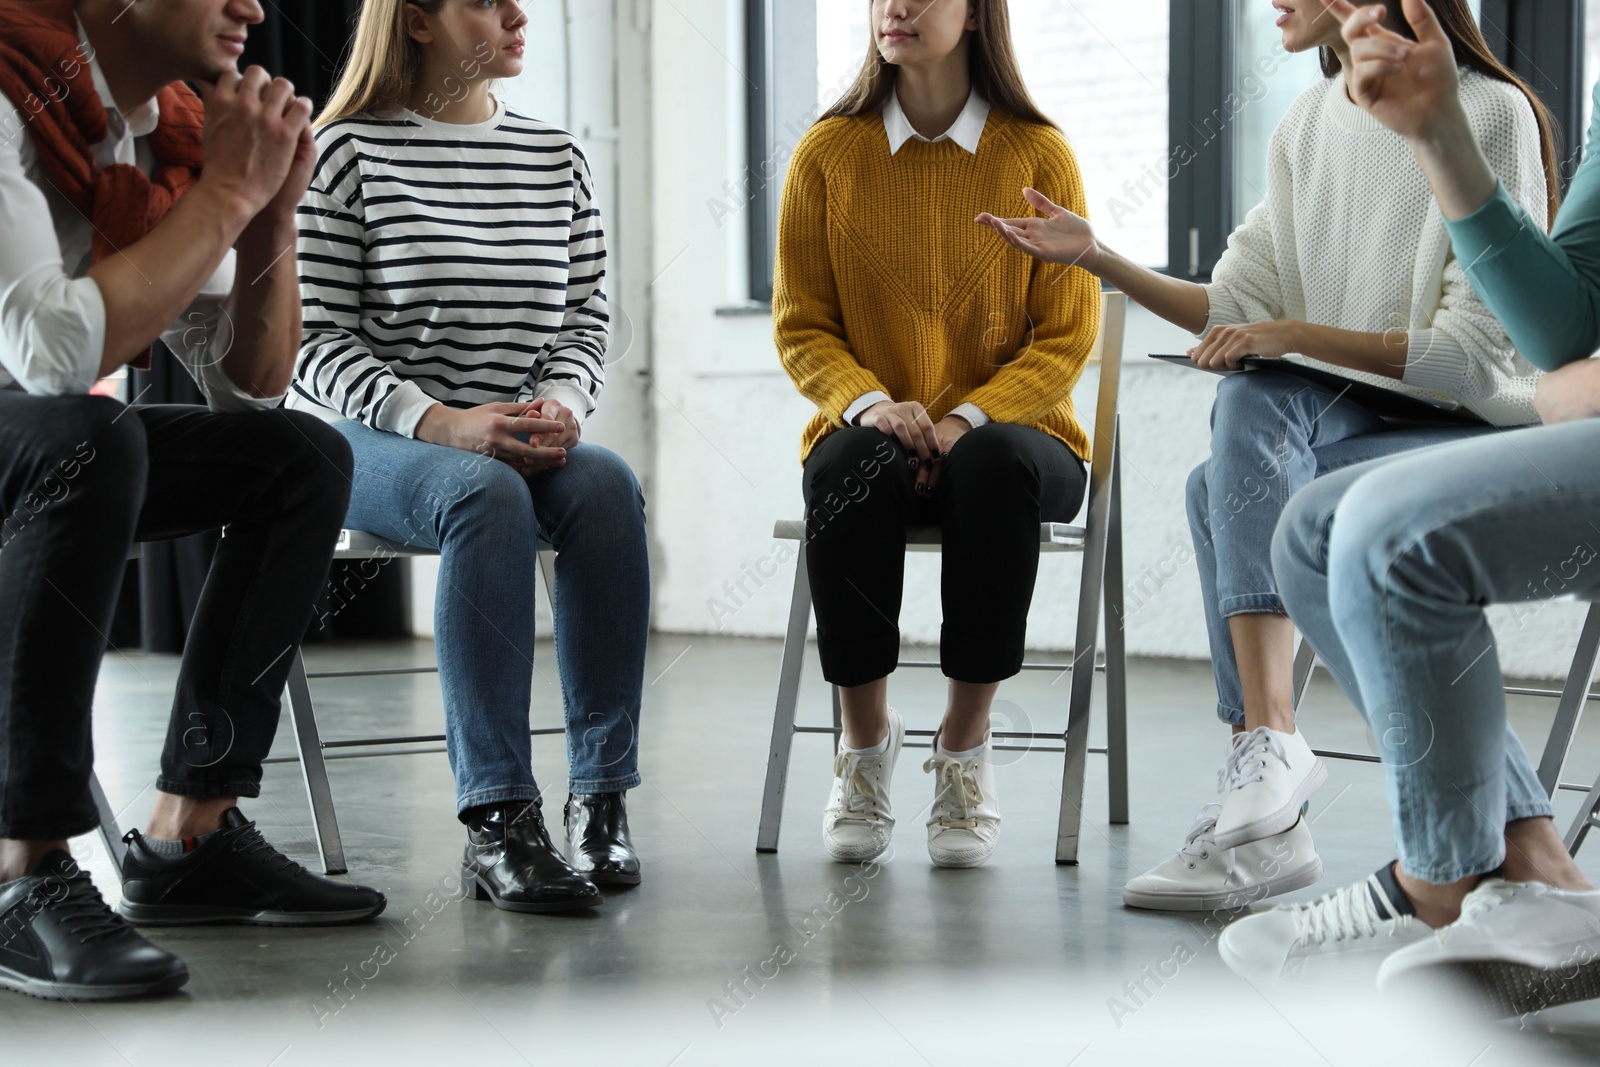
(1387, 404)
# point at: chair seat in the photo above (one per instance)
(358, 544)
(1053, 536)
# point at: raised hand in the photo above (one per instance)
(1055, 235)
(1409, 86)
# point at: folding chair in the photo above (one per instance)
(1100, 542)
(353, 545)
(1572, 697)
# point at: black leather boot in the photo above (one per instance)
(597, 838)
(512, 862)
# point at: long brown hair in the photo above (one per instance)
(1473, 53)
(991, 60)
(383, 63)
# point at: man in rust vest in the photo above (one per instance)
(130, 211)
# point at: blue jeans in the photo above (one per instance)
(484, 519)
(1271, 435)
(1387, 567)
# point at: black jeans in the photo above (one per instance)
(999, 483)
(81, 479)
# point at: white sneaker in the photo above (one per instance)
(1520, 946)
(1203, 877)
(858, 821)
(1269, 775)
(965, 822)
(1343, 936)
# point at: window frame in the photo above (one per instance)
(758, 140)
(1542, 42)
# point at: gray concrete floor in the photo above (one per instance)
(910, 965)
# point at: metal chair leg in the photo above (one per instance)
(1116, 652)
(547, 571)
(1588, 818)
(1076, 740)
(110, 833)
(309, 742)
(1574, 694)
(1305, 661)
(794, 653)
(838, 718)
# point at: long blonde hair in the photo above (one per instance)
(383, 63)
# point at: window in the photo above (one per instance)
(1269, 80)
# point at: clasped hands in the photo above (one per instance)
(927, 442)
(530, 437)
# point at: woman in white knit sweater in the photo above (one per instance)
(1348, 266)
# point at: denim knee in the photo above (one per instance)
(484, 494)
(1246, 399)
(1197, 500)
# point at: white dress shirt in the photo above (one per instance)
(52, 318)
(967, 131)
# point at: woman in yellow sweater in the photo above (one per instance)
(942, 368)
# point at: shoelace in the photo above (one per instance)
(1485, 898)
(84, 912)
(957, 792)
(1225, 775)
(1346, 914)
(1193, 848)
(252, 844)
(1249, 760)
(862, 802)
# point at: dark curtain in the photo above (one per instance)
(304, 41)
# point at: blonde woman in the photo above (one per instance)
(453, 268)
(942, 369)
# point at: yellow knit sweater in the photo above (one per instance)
(884, 282)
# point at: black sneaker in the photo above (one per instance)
(59, 940)
(235, 877)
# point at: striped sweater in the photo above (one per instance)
(443, 263)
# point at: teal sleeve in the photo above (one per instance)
(1545, 288)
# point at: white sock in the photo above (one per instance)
(871, 750)
(968, 754)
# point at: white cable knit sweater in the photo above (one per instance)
(1350, 236)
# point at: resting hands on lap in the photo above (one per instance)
(492, 430)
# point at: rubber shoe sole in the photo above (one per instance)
(37, 987)
(600, 878)
(854, 853)
(478, 889)
(1281, 820)
(186, 915)
(1231, 900)
(1510, 989)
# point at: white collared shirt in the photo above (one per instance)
(966, 131)
(52, 317)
